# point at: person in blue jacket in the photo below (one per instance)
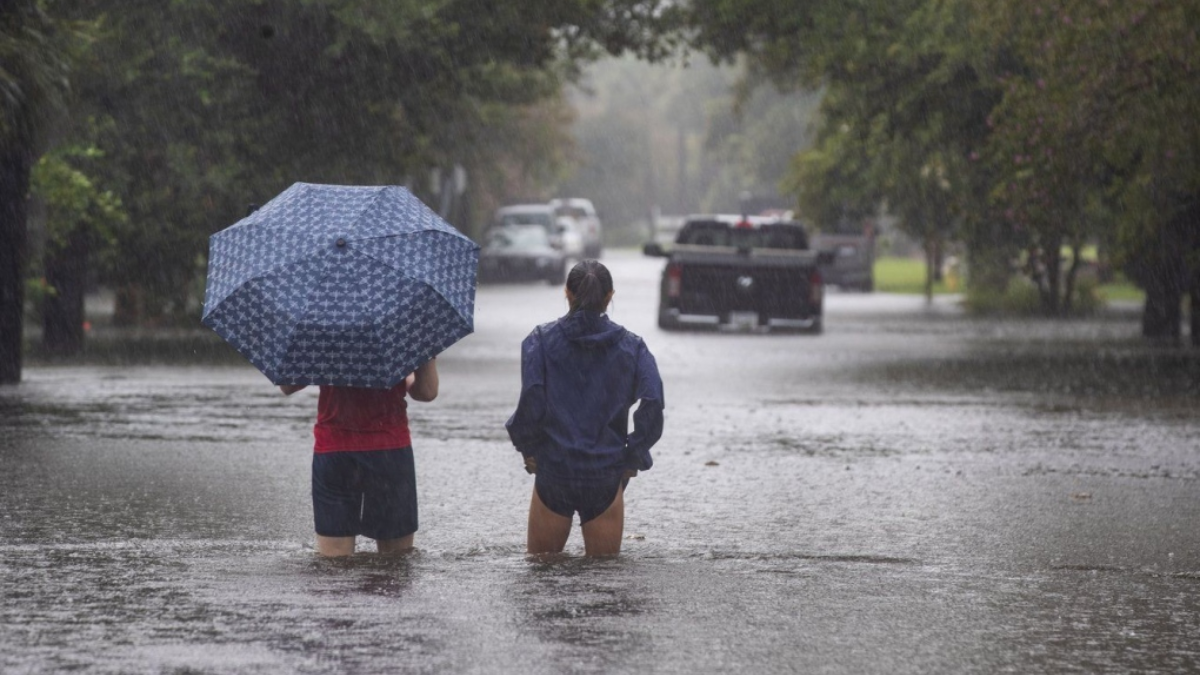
(580, 376)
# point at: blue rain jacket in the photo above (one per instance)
(580, 375)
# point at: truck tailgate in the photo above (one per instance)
(774, 285)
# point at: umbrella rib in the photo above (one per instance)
(274, 269)
(308, 299)
(402, 272)
(379, 327)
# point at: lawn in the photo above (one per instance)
(907, 275)
(1121, 290)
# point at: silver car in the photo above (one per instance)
(583, 213)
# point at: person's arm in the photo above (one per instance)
(525, 425)
(289, 389)
(648, 419)
(424, 384)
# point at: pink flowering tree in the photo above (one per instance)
(1096, 138)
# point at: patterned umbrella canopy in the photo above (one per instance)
(341, 285)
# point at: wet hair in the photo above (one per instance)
(590, 283)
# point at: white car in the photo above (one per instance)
(525, 214)
(583, 212)
(568, 238)
(565, 234)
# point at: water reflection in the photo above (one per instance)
(1110, 620)
(1126, 373)
(588, 614)
(369, 573)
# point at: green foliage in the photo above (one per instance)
(34, 62)
(72, 200)
(904, 103)
(751, 141)
(1022, 125)
(1096, 137)
(37, 290)
(1022, 298)
(1019, 298)
(202, 108)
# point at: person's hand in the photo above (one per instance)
(630, 473)
(530, 464)
(422, 384)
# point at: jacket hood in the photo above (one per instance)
(591, 329)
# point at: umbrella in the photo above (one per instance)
(352, 286)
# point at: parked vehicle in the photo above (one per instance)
(565, 233)
(568, 238)
(525, 214)
(665, 228)
(731, 270)
(584, 214)
(521, 253)
(850, 260)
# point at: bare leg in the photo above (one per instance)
(394, 546)
(335, 547)
(602, 534)
(548, 531)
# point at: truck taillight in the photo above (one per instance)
(816, 287)
(674, 279)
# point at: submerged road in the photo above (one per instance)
(912, 491)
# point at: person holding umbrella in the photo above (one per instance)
(580, 376)
(355, 288)
(363, 476)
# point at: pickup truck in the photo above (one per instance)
(733, 270)
(850, 260)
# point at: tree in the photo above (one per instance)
(1055, 122)
(1097, 136)
(904, 107)
(204, 108)
(33, 70)
(753, 134)
(80, 217)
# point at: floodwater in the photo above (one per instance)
(910, 492)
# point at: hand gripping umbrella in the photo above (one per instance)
(341, 285)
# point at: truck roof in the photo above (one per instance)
(753, 232)
(736, 219)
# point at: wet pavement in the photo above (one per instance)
(911, 492)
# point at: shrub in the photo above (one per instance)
(1021, 298)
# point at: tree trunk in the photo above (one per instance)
(939, 259)
(1069, 282)
(62, 315)
(1194, 309)
(129, 305)
(930, 263)
(989, 261)
(1161, 316)
(1053, 262)
(1163, 274)
(15, 165)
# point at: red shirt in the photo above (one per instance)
(350, 418)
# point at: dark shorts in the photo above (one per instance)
(589, 498)
(372, 493)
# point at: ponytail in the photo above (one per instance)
(590, 284)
